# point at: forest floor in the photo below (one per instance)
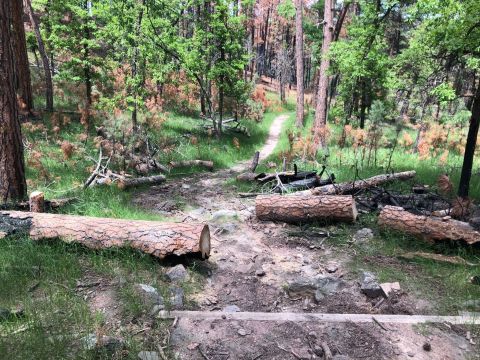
(69, 296)
(253, 264)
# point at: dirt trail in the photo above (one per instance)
(249, 269)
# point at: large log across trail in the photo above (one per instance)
(427, 227)
(152, 237)
(306, 208)
(353, 186)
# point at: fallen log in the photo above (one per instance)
(427, 227)
(354, 186)
(250, 174)
(152, 237)
(125, 183)
(186, 163)
(305, 208)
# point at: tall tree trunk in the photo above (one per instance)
(466, 175)
(136, 54)
(319, 126)
(12, 171)
(23, 82)
(43, 54)
(363, 104)
(299, 59)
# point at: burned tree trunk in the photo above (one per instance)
(12, 171)
(151, 237)
(427, 227)
(22, 74)
(299, 61)
(305, 208)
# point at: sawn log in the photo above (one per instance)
(152, 237)
(305, 208)
(427, 227)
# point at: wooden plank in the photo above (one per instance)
(466, 318)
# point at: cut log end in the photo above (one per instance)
(37, 202)
(205, 242)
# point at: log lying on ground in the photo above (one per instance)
(427, 227)
(186, 163)
(125, 183)
(305, 208)
(151, 237)
(250, 174)
(353, 186)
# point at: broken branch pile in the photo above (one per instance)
(152, 237)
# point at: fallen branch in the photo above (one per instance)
(152, 237)
(305, 208)
(427, 227)
(354, 186)
(125, 183)
(456, 260)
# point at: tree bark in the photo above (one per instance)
(43, 54)
(152, 237)
(299, 59)
(319, 126)
(470, 146)
(427, 227)
(354, 186)
(23, 82)
(126, 183)
(305, 208)
(12, 170)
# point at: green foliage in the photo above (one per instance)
(286, 9)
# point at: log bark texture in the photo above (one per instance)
(353, 186)
(152, 237)
(427, 227)
(305, 208)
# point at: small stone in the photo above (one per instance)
(312, 334)
(3, 234)
(331, 267)
(192, 346)
(260, 272)
(427, 346)
(397, 351)
(224, 316)
(411, 354)
(242, 332)
(177, 273)
(387, 288)
(176, 296)
(231, 308)
(363, 235)
(148, 355)
(149, 295)
(369, 285)
(228, 228)
(185, 186)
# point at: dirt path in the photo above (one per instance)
(252, 267)
(270, 143)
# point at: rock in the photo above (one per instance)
(224, 215)
(149, 295)
(319, 287)
(109, 343)
(387, 288)
(260, 272)
(231, 308)
(228, 228)
(363, 235)
(177, 273)
(176, 297)
(411, 354)
(369, 285)
(3, 234)
(427, 346)
(331, 267)
(148, 355)
(242, 332)
(185, 186)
